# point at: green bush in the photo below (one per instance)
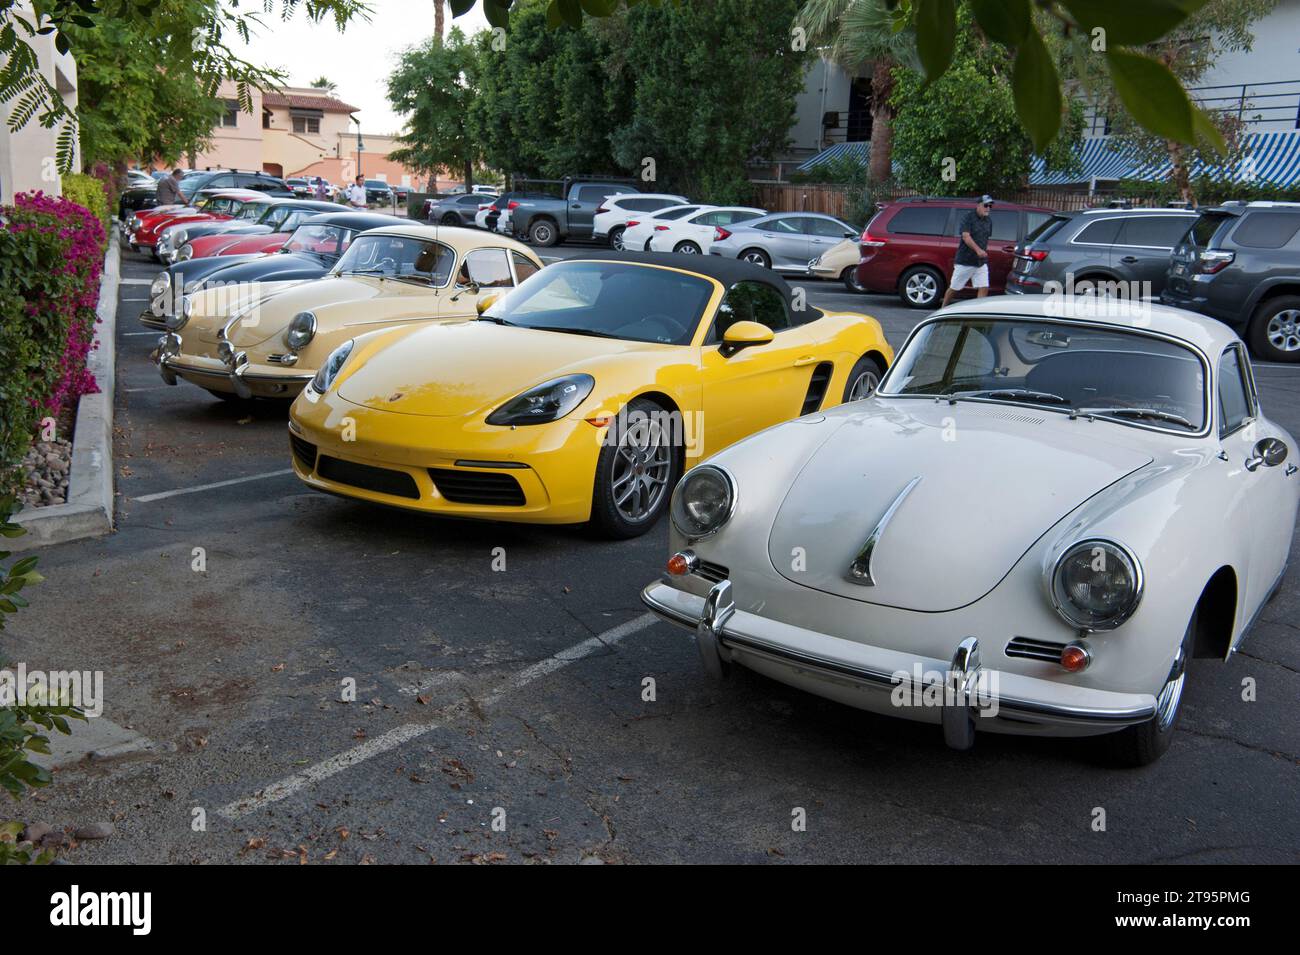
(89, 193)
(51, 254)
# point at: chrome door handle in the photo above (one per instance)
(1253, 462)
(1290, 470)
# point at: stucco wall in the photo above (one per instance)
(27, 156)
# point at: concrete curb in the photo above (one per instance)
(88, 511)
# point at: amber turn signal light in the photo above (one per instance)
(682, 562)
(1075, 658)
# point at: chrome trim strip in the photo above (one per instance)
(517, 465)
(859, 571)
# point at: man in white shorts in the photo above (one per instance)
(971, 263)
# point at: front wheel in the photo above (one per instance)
(1274, 332)
(864, 377)
(635, 473)
(1144, 743)
(543, 233)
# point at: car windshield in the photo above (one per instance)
(400, 257)
(327, 240)
(608, 300)
(252, 211)
(1086, 370)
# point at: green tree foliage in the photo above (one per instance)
(709, 87)
(544, 106)
(137, 98)
(435, 83)
(961, 134)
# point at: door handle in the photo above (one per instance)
(805, 360)
(1130, 260)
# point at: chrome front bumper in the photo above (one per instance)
(233, 367)
(724, 633)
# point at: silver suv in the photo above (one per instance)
(1087, 251)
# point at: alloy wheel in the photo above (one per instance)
(863, 385)
(642, 467)
(1284, 330)
(921, 288)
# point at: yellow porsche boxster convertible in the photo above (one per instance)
(267, 339)
(580, 396)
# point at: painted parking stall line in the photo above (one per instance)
(398, 735)
(162, 495)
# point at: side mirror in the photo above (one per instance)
(486, 302)
(744, 335)
(850, 235)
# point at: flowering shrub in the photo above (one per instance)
(51, 253)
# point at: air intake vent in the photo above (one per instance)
(712, 572)
(1044, 650)
(478, 487)
(821, 378)
(304, 451)
(379, 480)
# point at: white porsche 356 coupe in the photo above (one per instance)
(1029, 528)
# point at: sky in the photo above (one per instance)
(358, 60)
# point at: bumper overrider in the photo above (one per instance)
(230, 371)
(960, 694)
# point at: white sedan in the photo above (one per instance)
(1039, 517)
(612, 215)
(636, 237)
(693, 234)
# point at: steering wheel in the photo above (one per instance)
(670, 327)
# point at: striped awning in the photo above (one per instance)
(859, 151)
(1269, 157)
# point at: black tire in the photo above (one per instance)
(450, 218)
(850, 279)
(921, 287)
(757, 256)
(1143, 744)
(616, 237)
(609, 517)
(1274, 332)
(862, 370)
(687, 248)
(543, 233)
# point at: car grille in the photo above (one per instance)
(711, 571)
(1035, 649)
(478, 487)
(303, 450)
(379, 480)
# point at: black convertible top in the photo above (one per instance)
(726, 271)
(360, 221)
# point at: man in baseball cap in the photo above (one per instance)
(971, 264)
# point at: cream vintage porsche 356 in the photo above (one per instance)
(1041, 514)
(268, 339)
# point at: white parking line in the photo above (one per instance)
(146, 498)
(408, 731)
(135, 334)
(136, 281)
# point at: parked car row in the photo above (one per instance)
(1117, 503)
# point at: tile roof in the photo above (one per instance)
(305, 101)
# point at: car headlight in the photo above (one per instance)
(177, 322)
(330, 369)
(549, 401)
(185, 253)
(1096, 585)
(134, 224)
(161, 285)
(301, 330)
(704, 501)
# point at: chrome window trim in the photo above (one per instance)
(1252, 397)
(455, 261)
(1209, 371)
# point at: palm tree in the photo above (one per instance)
(855, 33)
(325, 85)
(439, 18)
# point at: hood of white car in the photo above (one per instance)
(986, 481)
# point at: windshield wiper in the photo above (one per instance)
(1153, 413)
(571, 331)
(497, 321)
(1011, 394)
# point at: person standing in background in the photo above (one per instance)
(169, 189)
(322, 191)
(357, 193)
(971, 264)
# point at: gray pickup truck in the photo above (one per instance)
(546, 221)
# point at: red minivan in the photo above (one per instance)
(908, 246)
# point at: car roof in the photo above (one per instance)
(232, 194)
(1145, 210)
(462, 239)
(960, 202)
(1205, 333)
(360, 221)
(726, 271)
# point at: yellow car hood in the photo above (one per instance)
(474, 367)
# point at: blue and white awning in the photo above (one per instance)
(1270, 157)
(859, 151)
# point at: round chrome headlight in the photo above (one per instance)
(177, 322)
(1096, 585)
(331, 368)
(160, 285)
(301, 330)
(703, 502)
(185, 253)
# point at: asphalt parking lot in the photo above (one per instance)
(500, 715)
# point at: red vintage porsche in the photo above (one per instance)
(144, 227)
